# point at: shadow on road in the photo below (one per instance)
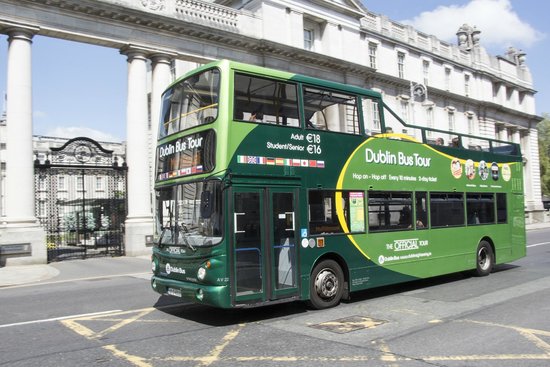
(224, 317)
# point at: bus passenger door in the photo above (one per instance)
(248, 253)
(264, 244)
(283, 263)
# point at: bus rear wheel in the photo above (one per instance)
(485, 259)
(326, 285)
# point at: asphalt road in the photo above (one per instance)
(455, 320)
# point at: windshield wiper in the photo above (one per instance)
(184, 236)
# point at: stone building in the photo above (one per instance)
(456, 86)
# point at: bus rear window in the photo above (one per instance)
(189, 103)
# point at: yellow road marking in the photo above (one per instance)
(269, 359)
(387, 355)
(135, 360)
(215, 353)
(123, 323)
(76, 325)
(482, 357)
(533, 335)
(79, 328)
(530, 334)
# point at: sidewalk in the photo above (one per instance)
(75, 269)
(96, 267)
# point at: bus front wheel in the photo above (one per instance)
(485, 259)
(326, 285)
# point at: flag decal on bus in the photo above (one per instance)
(273, 161)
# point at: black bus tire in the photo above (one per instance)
(326, 285)
(485, 259)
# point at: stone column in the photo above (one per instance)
(21, 234)
(139, 222)
(161, 80)
(533, 191)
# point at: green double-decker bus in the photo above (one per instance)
(273, 187)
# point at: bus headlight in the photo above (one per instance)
(201, 273)
(154, 265)
(200, 294)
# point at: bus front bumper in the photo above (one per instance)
(213, 295)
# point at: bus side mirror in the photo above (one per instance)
(206, 204)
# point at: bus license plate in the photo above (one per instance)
(174, 292)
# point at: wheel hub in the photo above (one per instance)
(326, 284)
(482, 259)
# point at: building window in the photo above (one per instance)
(448, 79)
(405, 110)
(41, 208)
(371, 115)
(426, 71)
(309, 39)
(79, 183)
(466, 85)
(471, 125)
(372, 55)
(42, 183)
(401, 64)
(61, 183)
(430, 120)
(451, 117)
(99, 183)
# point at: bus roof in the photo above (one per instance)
(254, 69)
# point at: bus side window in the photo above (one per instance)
(446, 209)
(480, 208)
(264, 100)
(389, 211)
(421, 210)
(502, 212)
(330, 110)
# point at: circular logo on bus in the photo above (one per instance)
(470, 170)
(483, 170)
(456, 168)
(494, 171)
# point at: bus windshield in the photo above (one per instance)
(191, 102)
(190, 215)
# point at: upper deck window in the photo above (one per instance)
(191, 102)
(329, 110)
(265, 101)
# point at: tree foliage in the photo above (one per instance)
(544, 153)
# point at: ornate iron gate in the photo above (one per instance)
(80, 194)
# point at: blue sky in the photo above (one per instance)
(80, 89)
